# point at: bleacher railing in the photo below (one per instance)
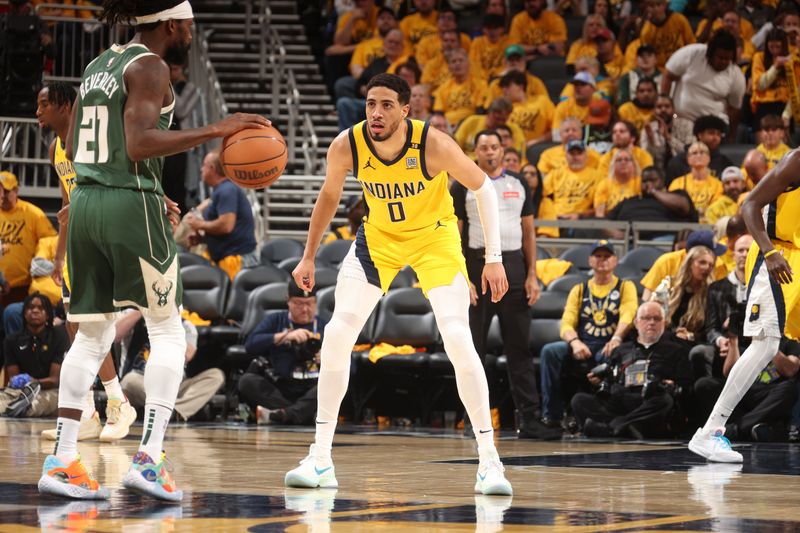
(24, 150)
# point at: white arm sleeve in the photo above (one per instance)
(489, 213)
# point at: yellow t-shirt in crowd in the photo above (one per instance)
(642, 157)
(474, 124)
(638, 116)
(629, 62)
(362, 28)
(556, 157)
(775, 155)
(745, 28)
(533, 116)
(435, 73)
(417, 26)
(535, 87)
(572, 192)
(459, 100)
(629, 302)
(20, 232)
(431, 46)
(548, 28)
(366, 52)
(668, 265)
(580, 48)
(605, 88)
(339, 234)
(724, 206)
(487, 56)
(569, 108)
(609, 192)
(46, 249)
(779, 90)
(674, 33)
(702, 192)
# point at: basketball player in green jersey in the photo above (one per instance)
(120, 247)
(403, 168)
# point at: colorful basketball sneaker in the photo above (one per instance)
(119, 417)
(490, 479)
(316, 470)
(153, 479)
(71, 481)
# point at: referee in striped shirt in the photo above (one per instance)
(519, 259)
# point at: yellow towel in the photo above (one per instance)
(194, 318)
(548, 270)
(383, 349)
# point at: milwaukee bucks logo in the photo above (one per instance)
(162, 295)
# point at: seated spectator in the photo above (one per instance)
(641, 110)
(352, 27)
(541, 32)
(665, 31)
(461, 95)
(604, 84)
(439, 121)
(710, 81)
(623, 137)
(487, 51)
(637, 400)
(281, 382)
(669, 263)
(772, 135)
(534, 116)
(430, 47)
(727, 205)
(572, 186)
(741, 29)
(646, 69)
(34, 355)
(556, 157)
(435, 71)
(715, 19)
(653, 204)
(664, 137)
(596, 319)
(703, 188)
(610, 58)
(598, 133)
(23, 225)
(586, 45)
(496, 115)
(512, 160)
(420, 103)
(419, 24)
(515, 60)
(755, 167)
(623, 181)
(410, 72)
(194, 392)
(355, 215)
(543, 208)
(578, 107)
(771, 89)
(227, 221)
(709, 130)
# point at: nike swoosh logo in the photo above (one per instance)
(318, 422)
(482, 477)
(321, 471)
(482, 431)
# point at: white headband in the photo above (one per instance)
(180, 12)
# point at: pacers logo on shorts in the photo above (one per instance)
(754, 310)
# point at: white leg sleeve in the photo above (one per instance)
(164, 371)
(741, 377)
(451, 306)
(83, 361)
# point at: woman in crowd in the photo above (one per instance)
(688, 294)
(624, 181)
(543, 208)
(771, 90)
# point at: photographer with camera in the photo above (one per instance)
(639, 385)
(771, 396)
(281, 382)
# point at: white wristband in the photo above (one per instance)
(489, 213)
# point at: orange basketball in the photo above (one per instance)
(254, 158)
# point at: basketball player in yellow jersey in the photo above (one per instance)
(773, 295)
(403, 166)
(53, 111)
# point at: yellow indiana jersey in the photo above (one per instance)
(64, 168)
(401, 196)
(780, 218)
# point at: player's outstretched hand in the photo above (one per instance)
(240, 121)
(494, 278)
(778, 268)
(303, 274)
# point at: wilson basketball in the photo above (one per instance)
(254, 158)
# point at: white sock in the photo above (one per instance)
(485, 441)
(155, 426)
(114, 389)
(67, 439)
(88, 405)
(741, 377)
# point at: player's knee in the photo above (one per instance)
(167, 336)
(457, 340)
(93, 340)
(341, 334)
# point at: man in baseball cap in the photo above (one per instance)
(733, 185)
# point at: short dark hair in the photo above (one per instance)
(504, 127)
(385, 9)
(411, 65)
(771, 122)
(493, 20)
(60, 93)
(46, 304)
(487, 133)
(721, 40)
(631, 128)
(655, 170)
(735, 227)
(394, 83)
(502, 104)
(513, 151)
(709, 122)
(646, 81)
(516, 77)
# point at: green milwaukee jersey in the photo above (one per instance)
(100, 156)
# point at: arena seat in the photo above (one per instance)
(205, 289)
(243, 285)
(574, 28)
(541, 253)
(405, 278)
(554, 87)
(543, 331)
(735, 152)
(549, 67)
(534, 152)
(641, 258)
(333, 253)
(549, 305)
(325, 277)
(276, 250)
(289, 264)
(578, 256)
(565, 283)
(187, 259)
(261, 301)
